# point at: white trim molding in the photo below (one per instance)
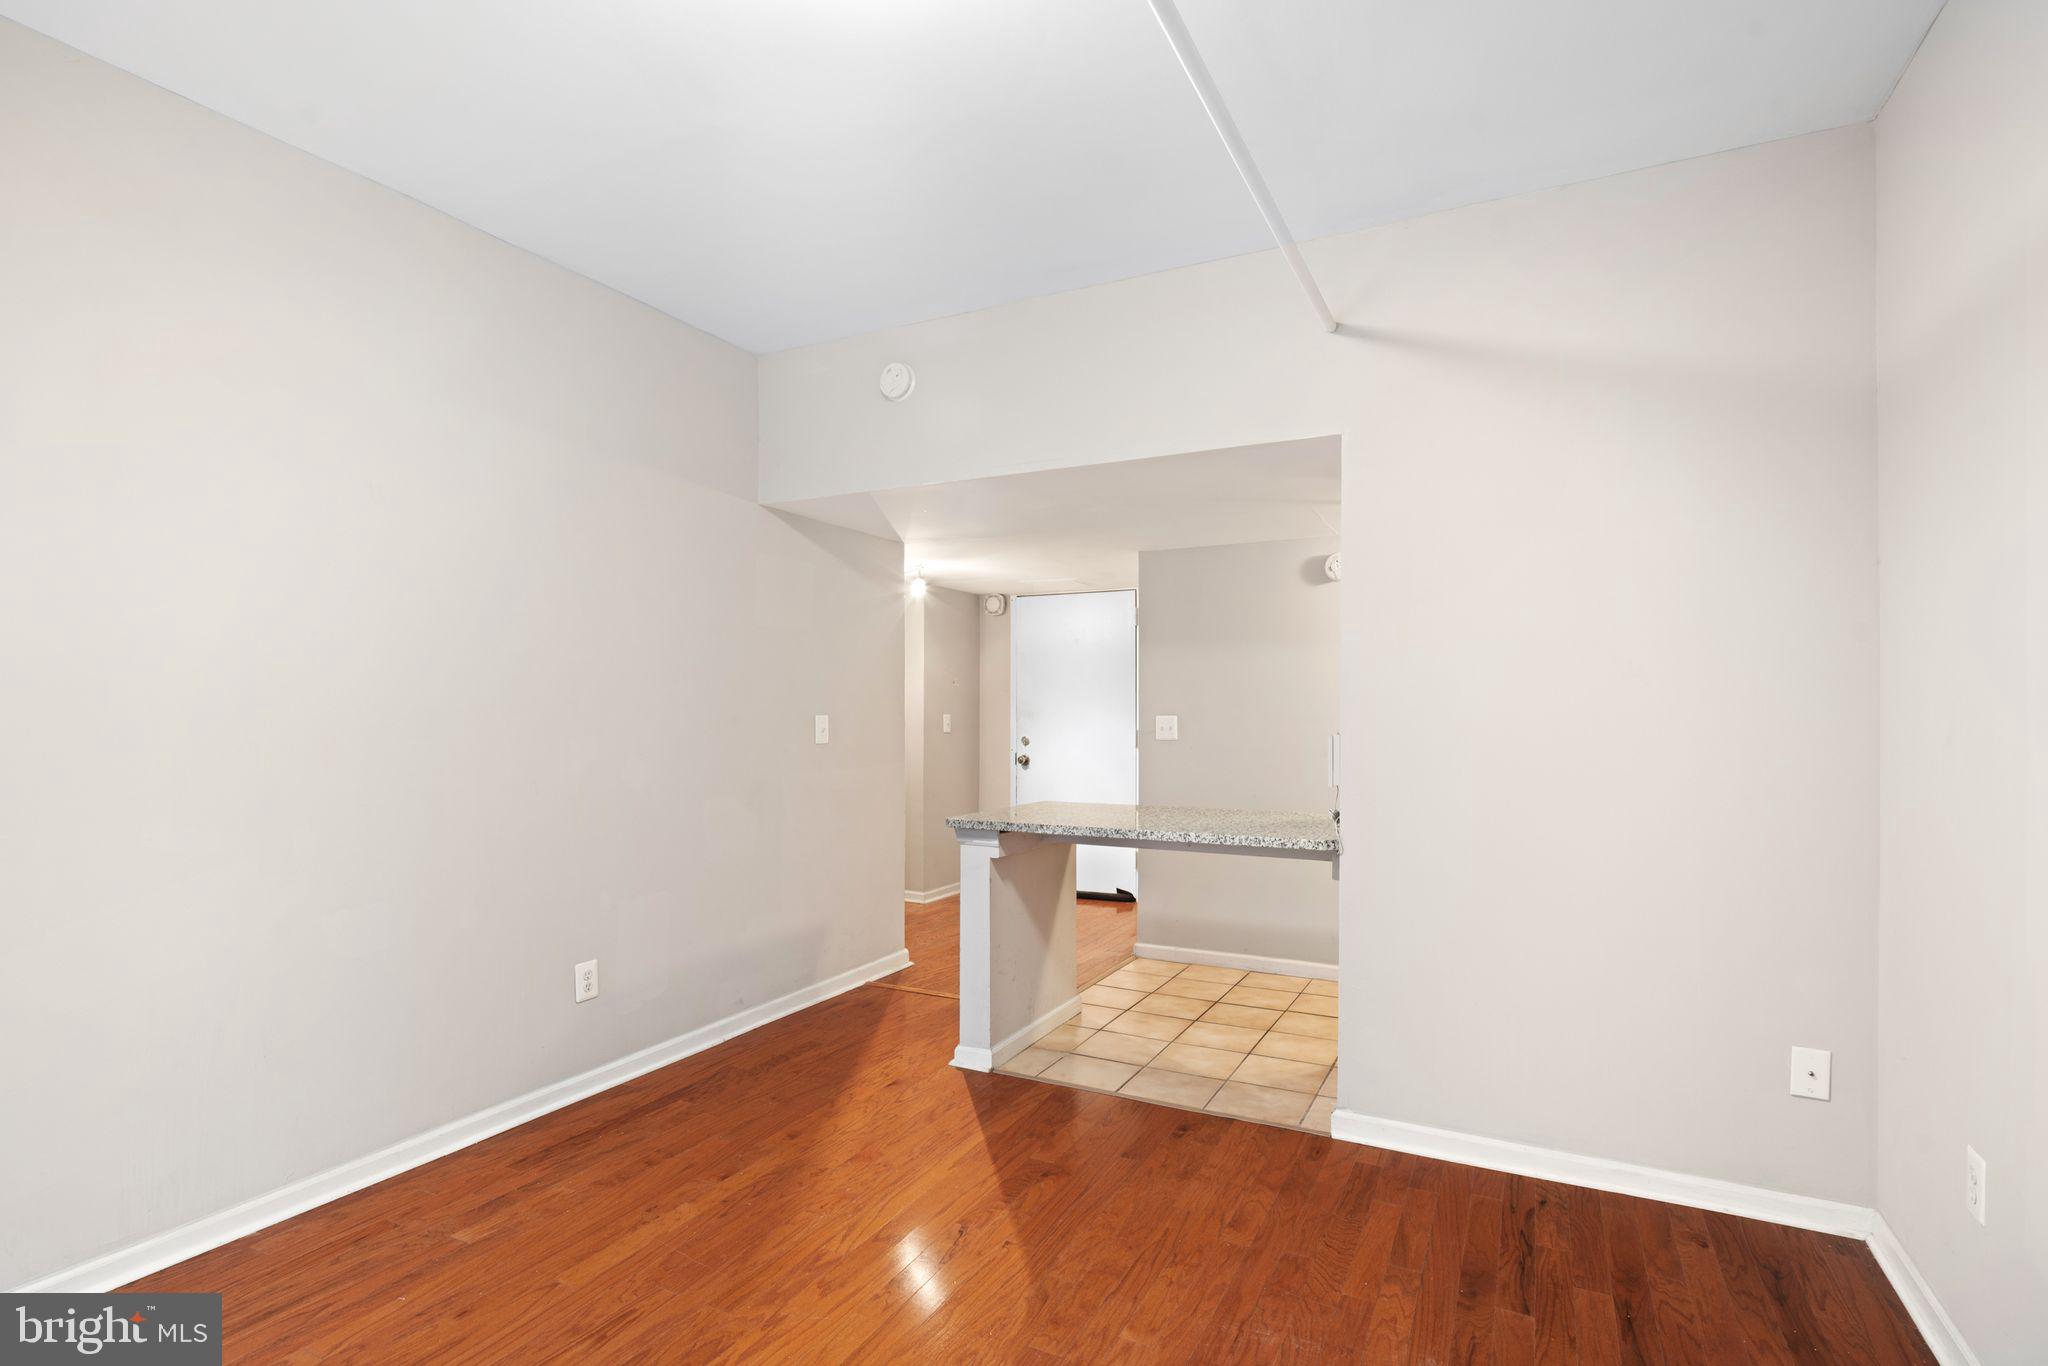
(927, 898)
(1626, 1178)
(155, 1253)
(989, 1059)
(1283, 967)
(1944, 1339)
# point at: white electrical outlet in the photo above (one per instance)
(1973, 1192)
(1166, 728)
(946, 722)
(821, 729)
(1812, 1070)
(586, 980)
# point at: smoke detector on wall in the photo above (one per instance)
(898, 380)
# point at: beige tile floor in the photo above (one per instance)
(1251, 1045)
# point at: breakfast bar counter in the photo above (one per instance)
(1017, 899)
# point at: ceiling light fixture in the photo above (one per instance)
(917, 583)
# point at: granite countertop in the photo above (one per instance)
(1212, 826)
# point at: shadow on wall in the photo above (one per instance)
(1314, 571)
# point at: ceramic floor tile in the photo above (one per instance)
(1173, 1088)
(1318, 987)
(1273, 982)
(1315, 1026)
(1112, 996)
(1231, 1037)
(1253, 996)
(1202, 972)
(1202, 1062)
(1329, 1084)
(1149, 1026)
(1124, 1048)
(1180, 1007)
(1032, 1061)
(1315, 1005)
(1245, 1101)
(1098, 1073)
(1318, 1116)
(1281, 1074)
(1298, 1047)
(1095, 1017)
(1062, 1039)
(1129, 981)
(1244, 1017)
(1151, 967)
(1194, 988)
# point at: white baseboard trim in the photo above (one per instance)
(936, 894)
(969, 1059)
(1943, 1337)
(1029, 1034)
(153, 1254)
(1284, 967)
(1652, 1183)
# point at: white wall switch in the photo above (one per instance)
(946, 722)
(586, 980)
(1811, 1072)
(1166, 728)
(821, 729)
(1973, 1192)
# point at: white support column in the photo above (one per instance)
(1017, 974)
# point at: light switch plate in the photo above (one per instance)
(1812, 1070)
(821, 729)
(1166, 728)
(1974, 1178)
(946, 722)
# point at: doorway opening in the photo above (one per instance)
(1151, 633)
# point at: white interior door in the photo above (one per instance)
(1076, 714)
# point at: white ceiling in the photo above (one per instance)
(1062, 531)
(781, 172)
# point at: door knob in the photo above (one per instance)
(1023, 761)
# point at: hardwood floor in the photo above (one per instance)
(827, 1188)
(1104, 932)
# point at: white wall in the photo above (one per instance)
(913, 747)
(1609, 658)
(1962, 311)
(943, 768)
(385, 625)
(1240, 643)
(994, 709)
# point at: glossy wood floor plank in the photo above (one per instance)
(828, 1189)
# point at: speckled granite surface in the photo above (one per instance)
(1213, 826)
